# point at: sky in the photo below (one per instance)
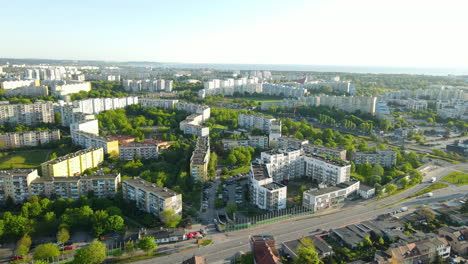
(396, 33)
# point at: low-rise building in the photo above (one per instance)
(200, 159)
(151, 198)
(458, 147)
(319, 199)
(264, 250)
(101, 186)
(15, 184)
(457, 237)
(292, 247)
(73, 164)
(143, 150)
(385, 158)
(14, 140)
(89, 140)
(365, 191)
(264, 192)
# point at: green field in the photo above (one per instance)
(28, 158)
(218, 126)
(456, 177)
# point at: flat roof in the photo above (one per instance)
(273, 186)
(151, 187)
(94, 136)
(75, 178)
(336, 162)
(259, 172)
(16, 172)
(69, 156)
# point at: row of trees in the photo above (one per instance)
(101, 89)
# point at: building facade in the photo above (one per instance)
(89, 140)
(200, 159)
(264, 192)
(90, 126)
(142, 150)
(14, 140)
(318, 199)
(27, 114)
(386, 158)
(15, 184)
(151, 198)
(159, 103)
(73, 164)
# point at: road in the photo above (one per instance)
(226, 245)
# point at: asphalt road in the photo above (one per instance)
(226, 245)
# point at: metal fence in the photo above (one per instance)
(270, 217)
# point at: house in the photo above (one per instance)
(264, 249)
(365, 191)
(169, 235)
(195, 260)
(322, 248)
(457, 237)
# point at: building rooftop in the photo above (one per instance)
(69, 156)
(365, 187)
(259, 172)
(273, 186)
(135, 144)
(93, 136)
(332, 161)
(75, 178)
(150, 187)
(16, 172)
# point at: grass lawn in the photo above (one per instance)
(456, 177)
(218, 126)
(28, 158)
(243, 169)
(432, 187)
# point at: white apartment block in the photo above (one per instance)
(325, 151)
(15, 184)
(138, 149)
(102, 186)
(14, 140)
(70, 114)
(158, 103)
(289, 103)
(254, 121)
(291, 143)
(231, 86)
(386, 158)
(90, 126)
(6, 85)
(251, 141)
(28, 91)
(96, 105)
(318, 199)
(27, 114)
(337, 85)
(416, 105)
(200, 159)
(264, 192)
(151, 198)
(282, 90)
(203, 110)
(64, 88)
(457, 111)
(148, 85)
(287, 164)
(351, 104)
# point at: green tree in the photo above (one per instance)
(46, 251)
(367, 242)
(212, 165)
(58, 118)
(92, 254)
(23, 245)
(307, 256)
(390, 188)
(99, 222)
(63, 235)
(426, 213)
(115, 224)
(53, 156)
(365, 170)
(147, 244)
(231, 208)
(378, 170)
(170, 218)
(130, 247)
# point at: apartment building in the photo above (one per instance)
(27, 114)
(324, 151)
(142, 150)
(283, 164)
(255, 122)
(151, 198)
(203, 110)
(200, 159)
(28, 91)
(291, 143)
(6, 85)
(325, 170)
(318, 199)
(90, 126)
(231, 86)
(287, 164)
(283, 90)
(290, 103)
(70, 114)
(96, 105)
(148, 85)
(265, 193)
(416, 105)
(384, 157)
(63, 88)
(90, 140)
(192, 126)
(159, 103)
(350, 104)
(102, 186)
(73, 164)
(15, 184)
(336, 85)
(14, 140)
(251, 141)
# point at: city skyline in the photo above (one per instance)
(361, 33)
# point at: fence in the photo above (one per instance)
(271, 217)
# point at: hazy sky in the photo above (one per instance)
(432, 33)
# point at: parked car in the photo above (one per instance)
(193, 234)
(67, 248)
(17, 257)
